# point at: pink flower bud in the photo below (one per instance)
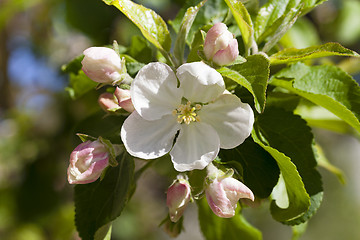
(102, 65)
(178, 196)
(124, 99)
(220, 46)
(108, 102)
(223, 193)
(87, 162)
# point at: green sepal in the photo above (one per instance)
(114, 150)
(85, 137)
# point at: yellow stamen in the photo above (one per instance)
(187, 113)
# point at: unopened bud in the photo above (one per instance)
(220, 46)
(108, 102)
(102, 65)
(87, 162)
(124, 99)
(178, 197)
(223, 192)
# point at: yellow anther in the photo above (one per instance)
(187, 113)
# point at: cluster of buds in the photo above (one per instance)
(121, 99)
(222, 193)
(220, 46)
(104, 65)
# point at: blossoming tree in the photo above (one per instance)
(226, 102)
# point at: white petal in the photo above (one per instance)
(196, 146)
(154, 91)
(232, 119)
(148, 139)
(200, 82)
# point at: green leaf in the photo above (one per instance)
(302, 34)
(151, 25)
(185, 26)
(215, 228)
(196, 46)
(275, 32)
(97, 125)
(295, 141)
(326, 86)
(319, 117)
(310, 4)
(325, 163)
(79, 85)
(74, 66)
(253, 75)
(100, 202)
(283, 100)
(315, 202)
(299, 200)
(243, 20)
(269, 13)
(293, 55)
(213, 11)
(298, 231)
(257, 167)
(274, 19)
(104, 233)
(140, 49)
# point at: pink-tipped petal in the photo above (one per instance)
(87, 162)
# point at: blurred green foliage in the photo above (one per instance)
(36, 202)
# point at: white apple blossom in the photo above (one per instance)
(192, 102)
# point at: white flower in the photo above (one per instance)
(206, 116)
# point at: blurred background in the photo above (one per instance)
(38, 122)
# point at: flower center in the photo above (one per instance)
(187, 113)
